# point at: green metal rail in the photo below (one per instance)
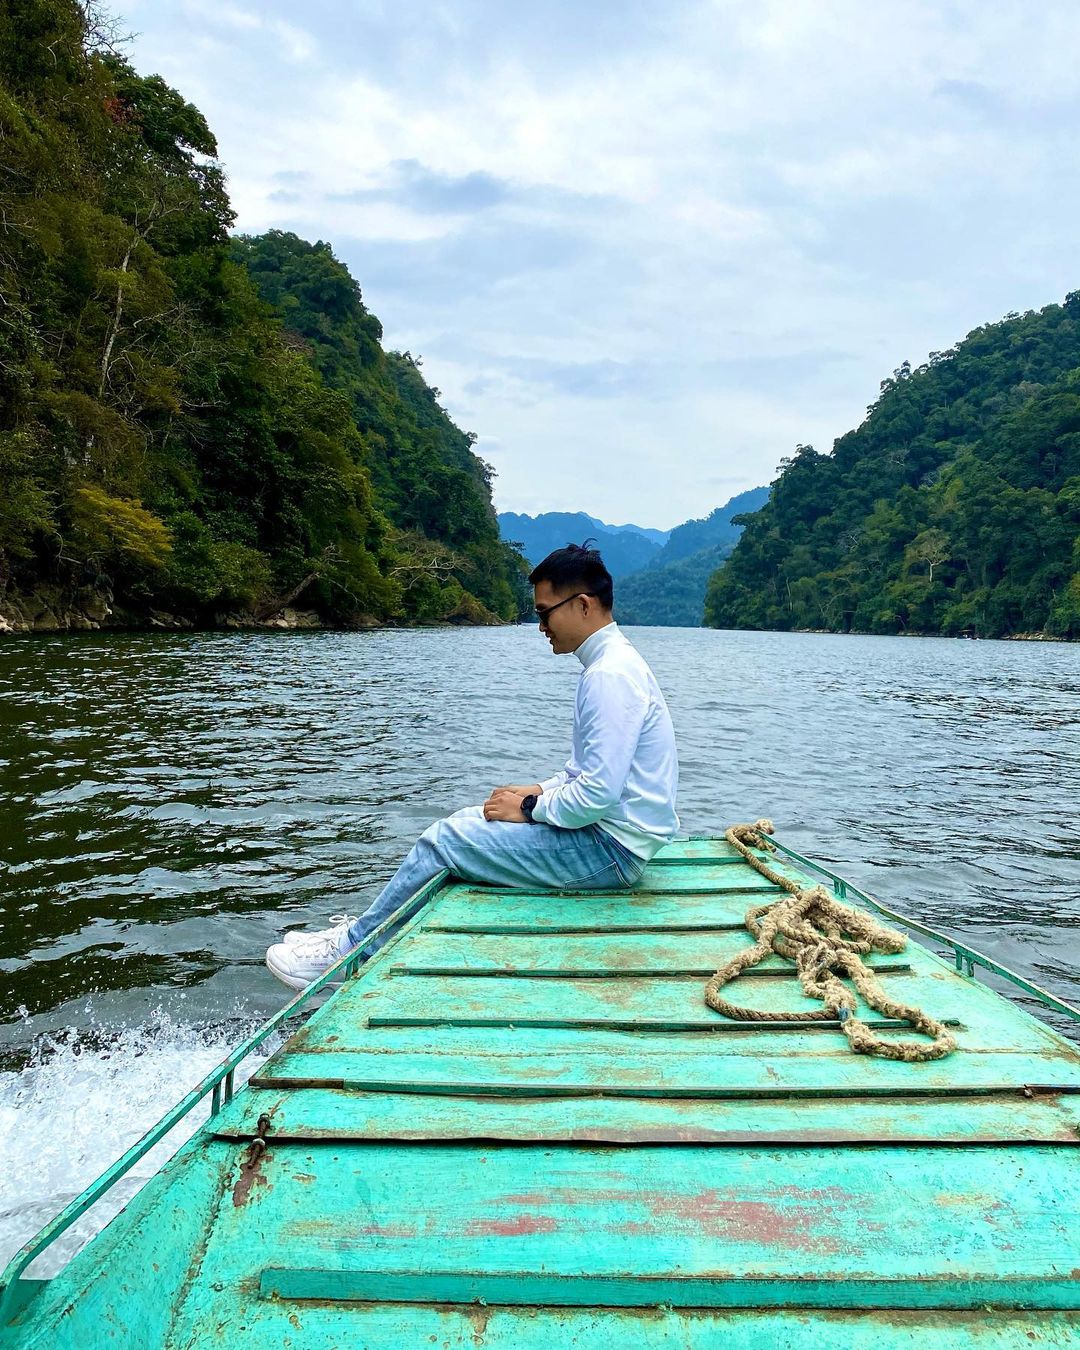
(219, 1085)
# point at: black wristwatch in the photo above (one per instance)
(528, 806)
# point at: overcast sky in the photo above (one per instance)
(645, 249)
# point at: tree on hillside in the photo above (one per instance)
(949, 509)
(929, 546)
(165, 436)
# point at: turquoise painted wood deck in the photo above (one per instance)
(521, 1126)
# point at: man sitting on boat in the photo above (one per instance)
(592, 826)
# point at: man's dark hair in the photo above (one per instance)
(576, 567)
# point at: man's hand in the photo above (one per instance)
(505, 804)
(533, 789)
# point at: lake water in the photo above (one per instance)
(172, 802)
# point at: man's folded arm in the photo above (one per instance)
(612, 717)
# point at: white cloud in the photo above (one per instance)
(603, 210)
(296, 44)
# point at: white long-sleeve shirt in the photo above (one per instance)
(623, 770)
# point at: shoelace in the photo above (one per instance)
(325, 943)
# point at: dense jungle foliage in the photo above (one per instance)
(167, 435)
(426, 478)
(954, 508)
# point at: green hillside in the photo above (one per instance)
(954, 507)
(170, 449)
(425, 475)
(670, 592)
(672, 596)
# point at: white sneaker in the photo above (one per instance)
(302, 935)
(299, 962)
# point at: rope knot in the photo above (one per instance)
(817, 961)
(825, 940)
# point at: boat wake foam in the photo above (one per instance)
(80, 1100)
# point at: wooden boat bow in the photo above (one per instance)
(519, 1125)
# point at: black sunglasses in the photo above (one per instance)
(544, 614)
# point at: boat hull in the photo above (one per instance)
(521, 1125)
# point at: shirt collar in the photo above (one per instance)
(596, 642)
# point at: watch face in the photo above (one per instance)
(528, 804)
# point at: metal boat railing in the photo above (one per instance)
(218, 1085)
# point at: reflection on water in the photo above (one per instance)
(172, 801)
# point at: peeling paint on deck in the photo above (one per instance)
(596, 1170)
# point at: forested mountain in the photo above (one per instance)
(625, 548)
(954, 507)
(671, 596)
(716, 530)
(662, 574)
(169, 448)
(671, 590)
(427, 479)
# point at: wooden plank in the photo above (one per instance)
(632, 997)
(320, 1113)
(760, 1227)
(391, 1326)
(583, 926)
(715, 878)
(667, 953)
(656, 881)
(744, 1070)
(993, 1023)
(598, 1044)
(479, 905)
(527, 1287)
(630, 1047)
(664, 860)
(699, 850)
(780, 972)
(704, 1026)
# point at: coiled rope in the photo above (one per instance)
(827, 941)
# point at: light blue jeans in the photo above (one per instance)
(501, 853)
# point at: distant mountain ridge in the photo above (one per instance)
(658, 536)
(661, 574)
(712, 531)
(670, 590)
(625, 548)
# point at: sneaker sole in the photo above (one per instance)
(293, 981)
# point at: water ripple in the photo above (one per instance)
(174, 801)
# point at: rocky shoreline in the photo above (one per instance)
(52, 609)
(910, 633)
(96, 615)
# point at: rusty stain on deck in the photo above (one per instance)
(546, 1159)
(250, 1176)
(522, 1225)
